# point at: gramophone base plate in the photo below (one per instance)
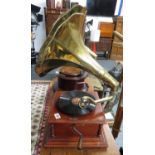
(73, 141)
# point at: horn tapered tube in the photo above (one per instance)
(64, 46)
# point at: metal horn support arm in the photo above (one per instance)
(88, 100)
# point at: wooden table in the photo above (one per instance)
(111, 150)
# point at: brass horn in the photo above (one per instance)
(64, 46)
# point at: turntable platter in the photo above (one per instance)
(68, 103)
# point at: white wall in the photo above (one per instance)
(41, 31)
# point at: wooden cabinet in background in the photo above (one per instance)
(52, 12)
(51, 15)
(105, 43)
(106, 29)
(117, 45)
(50, 4)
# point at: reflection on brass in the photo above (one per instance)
(64, 46)
(88, 100)
(70, 71)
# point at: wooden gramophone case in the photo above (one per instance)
(83, 131)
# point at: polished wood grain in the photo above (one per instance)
(111, 150)
(61, 132)
(117, 45)
(118, 117)
(51, 15)
(67, 82)
(106, 29)
(50, 4)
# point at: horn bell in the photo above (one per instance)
(64, 46)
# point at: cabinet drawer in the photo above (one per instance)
(106, 29)
(104, 44)
(50, 19)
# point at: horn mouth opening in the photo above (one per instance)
(64, 46)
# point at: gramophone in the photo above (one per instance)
(76, 116)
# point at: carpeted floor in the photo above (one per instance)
(38, 100)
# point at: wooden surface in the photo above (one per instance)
(105, 41)
(118, 117)
(51, 15)
(117, 48)
(71, 78)
(103, 45)
(50, 4)
(111, 150)
(89, 126)
(106, 29)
